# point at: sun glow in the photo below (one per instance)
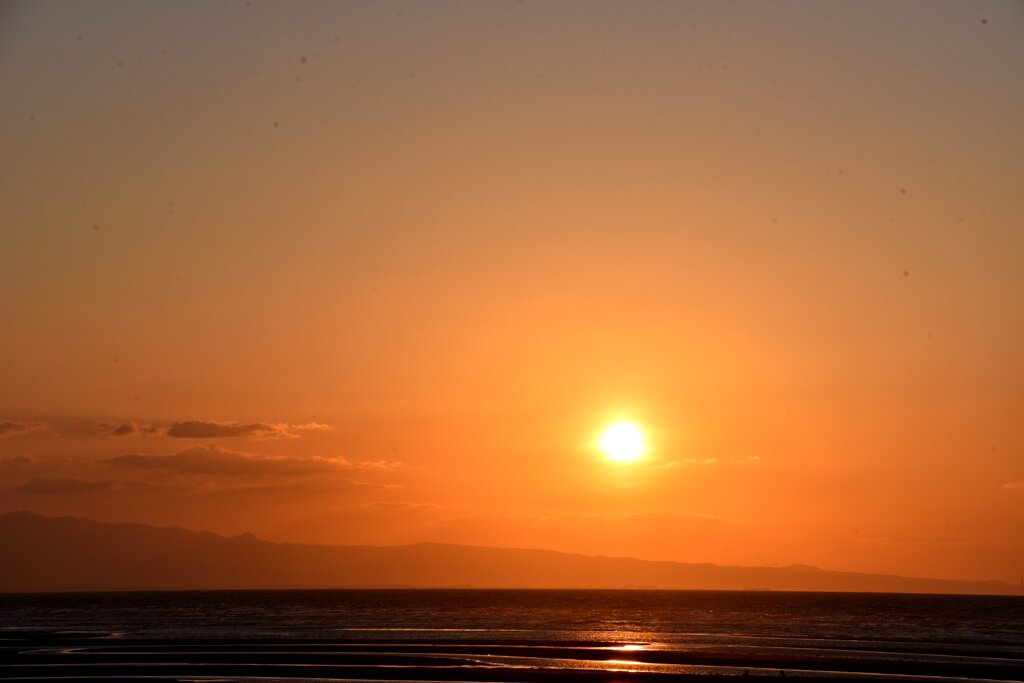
(623, 442)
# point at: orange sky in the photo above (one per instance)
(379, 273)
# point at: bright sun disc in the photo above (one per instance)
(623, 442)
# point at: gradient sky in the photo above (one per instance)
(378, 272)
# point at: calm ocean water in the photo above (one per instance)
(631, 633)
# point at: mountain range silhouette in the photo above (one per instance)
(67, 553)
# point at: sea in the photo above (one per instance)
(529, 636)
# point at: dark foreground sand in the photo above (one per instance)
(78, 656)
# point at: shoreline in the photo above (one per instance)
(28, 654)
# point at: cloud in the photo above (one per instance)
(48, 485)
(86, 428)
(18, 427)
(304, 487)
(750, 459)
(188, 429)
(92, 428)
(219, 461)
(1019, 484)
(125, 429)
(400, 505)
(312, 427)
(212, 429)
(209, 429)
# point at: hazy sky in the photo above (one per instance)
(379, 272)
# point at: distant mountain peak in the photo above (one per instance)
(67, 553)
(21, 514)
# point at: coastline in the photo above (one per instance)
(37, 655)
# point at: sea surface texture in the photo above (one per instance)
(508, 635)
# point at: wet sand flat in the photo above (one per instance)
(71, 656)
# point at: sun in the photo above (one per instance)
(622, 442)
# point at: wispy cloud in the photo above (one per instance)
(213, 460)
(57, 485)
(748, 460)
(1019, 484)
(311, 427)
(99, 428)
(19, 427)
(401, 505)
(186, 429)
(214, 429)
